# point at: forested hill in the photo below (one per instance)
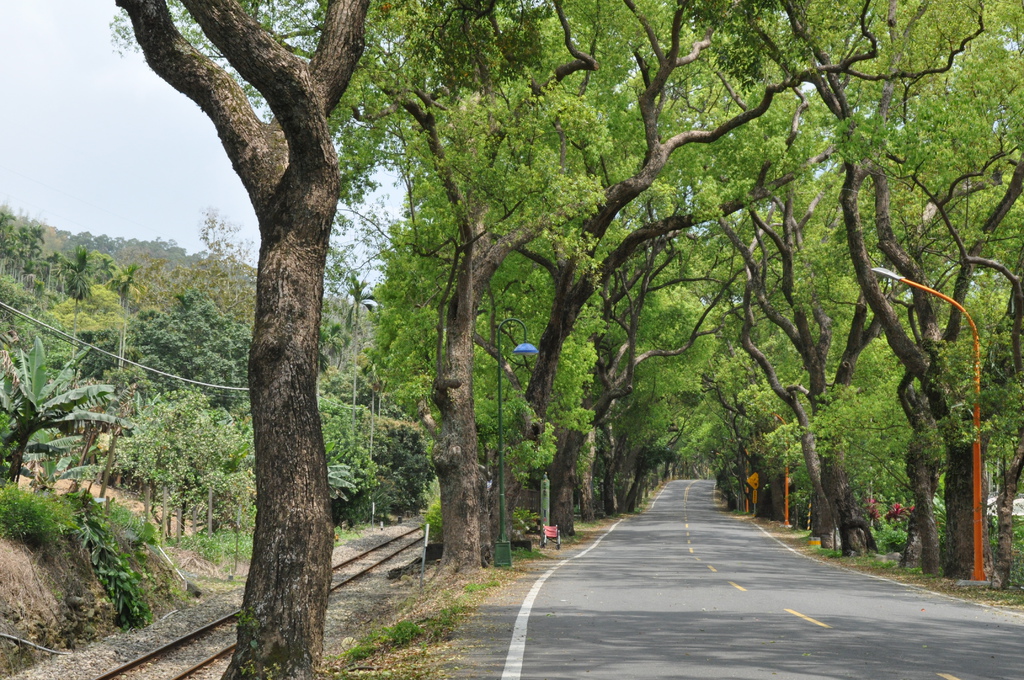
(122, 250)
(56, 240)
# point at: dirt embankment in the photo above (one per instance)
(49, 596)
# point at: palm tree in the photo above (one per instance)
(35, 400)
(6, 238)
(124, 282)
(331, 342)
(28, 244)
(77, 276)
(103, 266)
(361, 297)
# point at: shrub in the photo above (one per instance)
(32, 518)
(111, 566)
(891, 537)
(433, 518)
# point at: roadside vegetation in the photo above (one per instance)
(773, 244)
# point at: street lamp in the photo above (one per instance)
(502, 547)
(979, 568)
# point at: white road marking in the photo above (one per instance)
(517, 648)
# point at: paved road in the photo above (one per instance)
(686, 591)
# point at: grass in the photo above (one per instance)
(477, 587)
(218, 547)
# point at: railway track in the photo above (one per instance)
(215, 634)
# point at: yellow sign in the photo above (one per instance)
(753, 480)
(754, 499)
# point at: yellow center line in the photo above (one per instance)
(737, 587)
(712, 568)
(687, 526)
(688, 541)
(947, 676)
(697, 558)
(691, 551)
(808, 618)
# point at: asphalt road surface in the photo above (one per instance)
(687, 591)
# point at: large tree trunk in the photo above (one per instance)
(958, 558)
(289, 168)
(562, 473)
(922, 532)
(281, 629)
(1003, 559)
(823, 522)
(455, 452)
(610, 471)
(854, 531)
(587, 480)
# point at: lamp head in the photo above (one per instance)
(886, 272)
(526, 349)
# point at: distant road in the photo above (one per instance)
(686, 591)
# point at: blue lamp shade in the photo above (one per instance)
(525, 348)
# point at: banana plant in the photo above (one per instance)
(36, 399)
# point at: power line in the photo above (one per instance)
(70, 338)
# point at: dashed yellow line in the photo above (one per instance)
(808, 618)
(712, 568)
(737, 586)
(947, 676)
(691, 551)
(697, 558)
(688, 540)
(687, 526)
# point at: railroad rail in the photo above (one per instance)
(201, 632)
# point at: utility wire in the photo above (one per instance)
(83, 343)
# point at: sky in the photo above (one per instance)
(94, 141)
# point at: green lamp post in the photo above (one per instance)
(502, 547)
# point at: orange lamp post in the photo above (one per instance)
(978, 572)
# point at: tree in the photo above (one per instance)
(360, 297)
(76, 275)
(124, 282)
(36, 400)
(194, 340)
(289, 167)
(185, 444)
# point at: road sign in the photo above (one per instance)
(753, 480)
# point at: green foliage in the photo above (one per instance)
(403, 464)
(891, 537)
(31, 518)
(36, 399)
(100, 310)
(185, 444)
(111, 566)
(220, 546)
(194, 340)
(524, 520)
(433, 518)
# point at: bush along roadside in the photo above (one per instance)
(112, 567)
